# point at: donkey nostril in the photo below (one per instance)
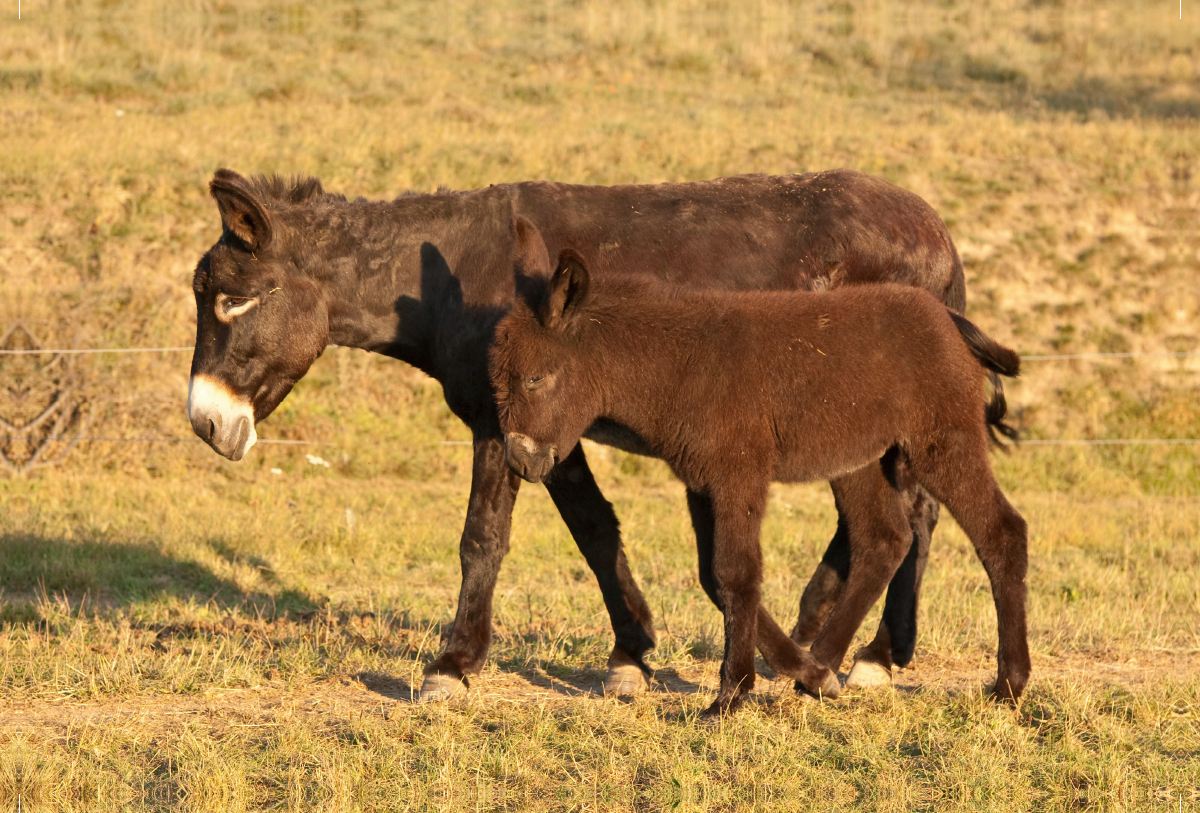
(212, 429)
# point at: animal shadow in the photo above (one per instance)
(104, 575)
(388, 686)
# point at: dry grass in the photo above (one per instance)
(181, 632)
(1058, 142)
(233, 644)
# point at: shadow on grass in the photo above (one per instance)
(387, 686)
(590, 682)
(95, 577)
(570, 683)
(105, 575)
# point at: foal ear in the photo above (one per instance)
(568, 290)
(530, 257)
(241, 213)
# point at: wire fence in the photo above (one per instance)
(77, 352)
(1031, 442)
(1051, 357)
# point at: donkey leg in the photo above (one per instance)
(594, 526)
(735, 570)
(896, 638)
(779, 651)
(879, 538)
(960, 476)
(481, 550)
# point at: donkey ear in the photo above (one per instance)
(241, 213)
(568, 290)
(530, 257)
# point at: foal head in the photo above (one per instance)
(545, 398)
(260, 323)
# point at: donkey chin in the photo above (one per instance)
(527, 458)
(221, 419)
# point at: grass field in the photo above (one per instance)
(180, 632)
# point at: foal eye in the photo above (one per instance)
(535, 382)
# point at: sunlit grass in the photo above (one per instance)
(180, 632)
(228, 589)
(1046, 138)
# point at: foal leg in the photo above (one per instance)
(896, 638)
(481, 550)
(780, 652)
(594, 526)
(879, 537)
(735, 576)
(958, 473)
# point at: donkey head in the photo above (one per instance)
(546, 401)
(260, 322)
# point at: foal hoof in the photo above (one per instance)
(721, 707)
(624, 680)
(438, 687)
(826, 688)
(867, 675)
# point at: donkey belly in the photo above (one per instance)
(827, 453)
(799, 467)
(611, 433)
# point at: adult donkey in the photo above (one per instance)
(425, 279)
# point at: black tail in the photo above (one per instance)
(998, 360)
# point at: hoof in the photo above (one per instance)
(827, 689)
(438, 687)
(624, 680)
(1006, 693)
(830, 688)
(721, 707)
(867, 674)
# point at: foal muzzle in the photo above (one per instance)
(527, 459)
(221, 419)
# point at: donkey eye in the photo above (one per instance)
(535, 382)
(230, 306)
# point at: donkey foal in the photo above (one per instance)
(863, 386)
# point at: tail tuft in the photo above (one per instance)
(998, 360)
(994, 414)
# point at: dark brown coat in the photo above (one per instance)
(424, 278)
(735, 390)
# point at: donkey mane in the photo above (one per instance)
(298, 190)
(290, 190)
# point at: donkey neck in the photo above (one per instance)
(412, 278)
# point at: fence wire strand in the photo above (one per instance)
(1033, 442)
(75, 352)
(1051, 357)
